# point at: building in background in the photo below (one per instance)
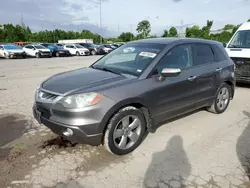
(76, 41)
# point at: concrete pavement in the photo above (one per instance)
(197, 150)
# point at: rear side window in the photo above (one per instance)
(219, 53)
(203, 54)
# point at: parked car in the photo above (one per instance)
(11, 51)
(90, 46)
(37, 50)
(128, 92)
(110, 46)
(102, 50)
(76, 49)
(57, 51)
(238, 48)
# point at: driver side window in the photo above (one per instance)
(178, 57)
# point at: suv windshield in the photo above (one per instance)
(78, 46)
(11, 47)
(39, 47)
(130, 59)
(240, 40)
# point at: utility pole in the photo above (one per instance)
(100, 21)
(131, 31)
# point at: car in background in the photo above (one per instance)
(37, 50)
(127, 93)
(102, 50)
(90, 46)
(76, 49)
(238, 49)
(57, 51)
(11, 51)
(110, 46)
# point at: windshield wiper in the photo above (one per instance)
(106, 69)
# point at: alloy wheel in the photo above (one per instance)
(127, 132)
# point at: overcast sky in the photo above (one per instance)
(123, 15)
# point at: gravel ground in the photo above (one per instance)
(197, 150)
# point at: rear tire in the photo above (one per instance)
(125, 131)
(222, 99)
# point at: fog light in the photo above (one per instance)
(68, 132)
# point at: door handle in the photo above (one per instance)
(218, 69)
(192, 78)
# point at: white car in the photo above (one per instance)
(76, 49)
(37, 50)
(11, 51)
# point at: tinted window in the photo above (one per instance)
(178, 57)
(29, 47)
(219, 53)
(203, 54)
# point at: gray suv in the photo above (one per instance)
(133, 89)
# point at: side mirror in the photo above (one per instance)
(169, 72)
(224, 44)
(33, 48)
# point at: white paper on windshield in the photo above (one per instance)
(148, 54)
(139, 70)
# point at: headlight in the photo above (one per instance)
(80, 100)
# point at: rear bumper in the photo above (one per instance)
(76, 134)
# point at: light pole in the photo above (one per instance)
(100, 21)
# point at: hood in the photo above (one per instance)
(81, 79)
(44, 50)
(82, 49)
(238, 52)
(15, 51)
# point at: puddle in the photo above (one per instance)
(58, 142)
(12, 126)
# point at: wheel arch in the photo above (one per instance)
(232, 85)
(122, 104)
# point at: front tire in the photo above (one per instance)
(38, 55)
(57, 54)
(93, 52)
(77, 54)
(6, 56)
(125, 131)
(221, 100)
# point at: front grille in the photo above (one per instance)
(242, 66)
(46, 96)
(44, 112)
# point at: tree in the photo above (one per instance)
(125, 37)
(165, 33)
(144, 28)
(228, 26)
(248, 20)
(173, 32)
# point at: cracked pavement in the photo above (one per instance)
(197, 150)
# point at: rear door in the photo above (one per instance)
(208, 71)
(29, 50)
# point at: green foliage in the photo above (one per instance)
(126, 37)
(173, 32)
(144, 28)
(11, 33)
(165, 33)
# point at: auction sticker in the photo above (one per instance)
(148, 54)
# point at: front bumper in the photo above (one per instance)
(243, 79)
(76, 134)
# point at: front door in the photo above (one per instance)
(174, 95)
